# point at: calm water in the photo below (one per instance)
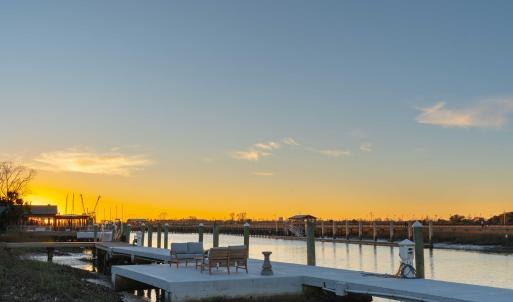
(440, 264)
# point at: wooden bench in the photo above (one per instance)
(217, 257)
(236, 256)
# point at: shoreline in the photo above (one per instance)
(23, 279)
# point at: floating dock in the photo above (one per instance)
(187, 283)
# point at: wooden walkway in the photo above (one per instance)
(47, 244)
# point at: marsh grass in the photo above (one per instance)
(30, 280)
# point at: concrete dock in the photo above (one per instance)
(188, 283)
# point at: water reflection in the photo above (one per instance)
(375, 250)
(431, 264)
(77, 260)
(392, 259)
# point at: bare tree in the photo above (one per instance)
(241, 216)
(14, 181)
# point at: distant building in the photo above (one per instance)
(47, 215)
(302, 217)
(135, 221)
(297, 224)
(40, 215)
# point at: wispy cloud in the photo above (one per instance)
(268, 146)
(334, 152)
(263, 174)
(75, 160)
(290, 141)
(490, 113)
(251, 155)
(260, 150)
(366, 147)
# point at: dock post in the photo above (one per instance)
(419, 249)
(159, 235)
(347, 230)
(391, 238)
(128, 230)
(166, 233)
(121, 232)
(360, 230)
(49, 252)
(95, 232)
(374, 231)
(150, 235)
(430, 232)
(143, 227)
(410, 231)
(200, 232)
(334, 230)
(246, 234)
(322, 228)
(310, 242)
(215, 234)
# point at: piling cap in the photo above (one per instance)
(246, 224)
(417, 224)
(166, 224)
(406, 242)
(201, 224)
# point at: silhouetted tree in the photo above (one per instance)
(14, 181)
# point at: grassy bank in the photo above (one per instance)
(30, 280)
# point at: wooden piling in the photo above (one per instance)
(150, 235)
(334, 230)
(49, 253)
(95, 233)
(143, 230)
(391, 235)
(360, 230)
(419, 249)
(246, 234)
(322, 228)
(310, 242)
(215, 234)
(347, 230)
(200, 232)
(430, 234)
(159, 235)
(374, 231)
(128, 231)
(166, 233)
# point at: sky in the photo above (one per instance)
(339, 109)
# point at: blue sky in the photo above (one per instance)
(180, 87)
